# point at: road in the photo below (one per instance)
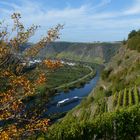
(78, 80)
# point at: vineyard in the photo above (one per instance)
(112, 111)
(33, 82)
(120, 125)
(15, 86)
(126, 97)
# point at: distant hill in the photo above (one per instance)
(88, 52)
(24, 46)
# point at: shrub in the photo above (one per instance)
(119, 62)
(105, 74)
(133, 42)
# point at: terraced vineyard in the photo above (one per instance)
(126, 97)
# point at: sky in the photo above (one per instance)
(84, 20)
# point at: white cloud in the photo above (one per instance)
(103, 3)
(78, 21)
(134, 9)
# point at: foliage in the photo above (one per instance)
(134, 40)
(132, 34)
(17, 86)
(126, 97)
(118, 116)
(106, 73)
(136, 95)
(122, 124)
(119, 62)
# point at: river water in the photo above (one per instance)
(82, 92)
(52, 108)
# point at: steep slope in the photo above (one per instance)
(112, 110)
(88, 52)
(122, 72)
(134, 40)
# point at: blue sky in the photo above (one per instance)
(85, 20)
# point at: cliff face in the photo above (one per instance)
(88, 52)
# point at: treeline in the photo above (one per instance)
(134, 40)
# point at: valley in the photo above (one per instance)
(66, 76)
(112, 108)
(78, 89)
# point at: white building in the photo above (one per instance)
(68, 63)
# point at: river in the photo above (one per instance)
(82, 92)
(52, 108)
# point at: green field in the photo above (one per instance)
(64, 77)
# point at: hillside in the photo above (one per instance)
(134, 40)
(88, 52)
(112, 109)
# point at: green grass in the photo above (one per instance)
(66, 75)
(63, 76)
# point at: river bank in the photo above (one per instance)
(46, 104)
(52, 110)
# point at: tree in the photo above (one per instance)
(132, 33)
(14, 85)
(124, 42)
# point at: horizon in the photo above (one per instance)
(92, 42)
(85, 20)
